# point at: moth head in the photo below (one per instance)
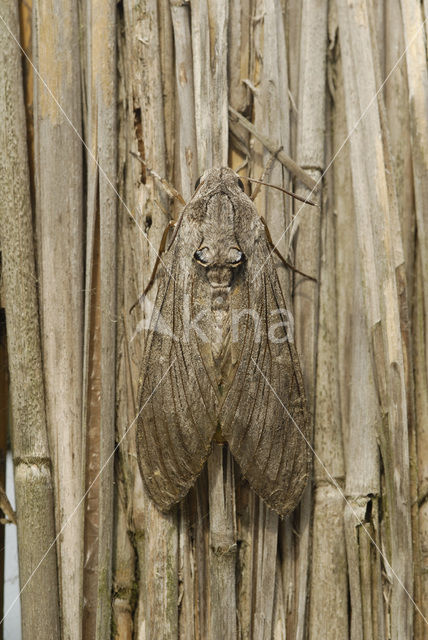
(213, 178)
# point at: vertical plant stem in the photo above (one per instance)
(59, 200)
(310, 156)
(155, 535)
(377, 256)
(102, 129)
(33, 478)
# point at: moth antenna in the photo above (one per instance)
(168, 188)
(289, 193)
(265, 174)
(280, 256)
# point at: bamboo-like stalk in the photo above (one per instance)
(328, 566)
(125, 582)
(362, 464)
(421, 406)
(124, 575)
(292, 11)
(359, 402)
(155, 536)
(222, 559)
(361, 419)
(269, 74)
(186, 152)
(404, 297)
(238, 41)
(167, 63)
(380, 297)
(33, 478)
(417, 76)
(290, 534)
(396, 95)
(201, 49)
(101, 274)
(59, 193)
(91, 416)
(310, 155)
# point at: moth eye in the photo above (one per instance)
(241, 184)
(198, 182)
(235, 256)
(201, 255)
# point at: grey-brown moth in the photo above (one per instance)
(219, 357)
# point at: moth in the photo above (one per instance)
(219, 360)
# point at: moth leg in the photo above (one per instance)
(171, 224)
(275, 250)
(168, 188)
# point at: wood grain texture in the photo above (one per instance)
(33, 465)
(375, 230)
(59, 227)
(100, 314)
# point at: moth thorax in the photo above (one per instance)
(219, 277)
(221, 332)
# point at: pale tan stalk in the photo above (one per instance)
(124, 574)
(201, 49)
(167, 62)
(358, 398)
(271, 120)
(154, 535)
(396, 95)
(59, 200)
(310, 156)
(238, 54)
(421, 405)
(125, 582)
(328, 566)
(100, 311)
(289, 528)
(417, 77)
(186, 153)
(33, 479)
(378, 261)
(223, 549)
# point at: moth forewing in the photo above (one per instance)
(233, 367)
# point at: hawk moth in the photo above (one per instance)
(230, 369)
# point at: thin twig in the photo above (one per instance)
(6, 507)
(288, 162)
